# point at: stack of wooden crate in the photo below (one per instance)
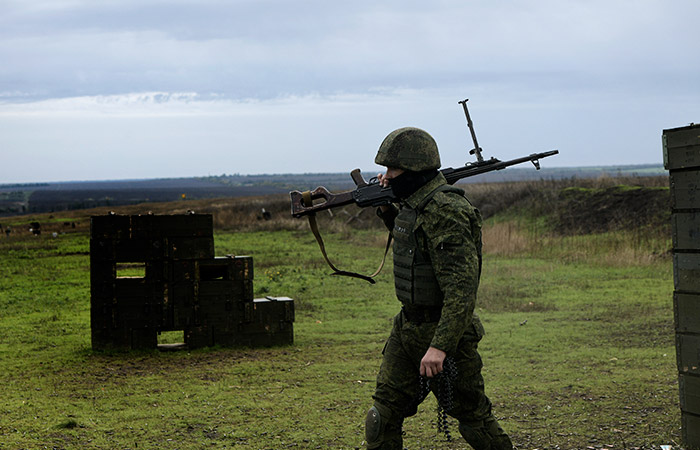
(156, 273)
(682, 159)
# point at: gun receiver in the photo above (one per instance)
(373, 194)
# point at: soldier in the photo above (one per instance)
(437, 264)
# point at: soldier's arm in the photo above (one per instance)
(456, 265)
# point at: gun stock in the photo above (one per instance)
(303, 202)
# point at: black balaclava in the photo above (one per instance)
(409, 182)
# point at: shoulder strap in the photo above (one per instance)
(441, 188)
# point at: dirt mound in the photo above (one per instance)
(586, 210)
(567, 206)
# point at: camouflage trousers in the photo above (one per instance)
(399, 392)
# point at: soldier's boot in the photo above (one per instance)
(485, 434)
(383, 429)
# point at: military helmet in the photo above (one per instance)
(409, 149)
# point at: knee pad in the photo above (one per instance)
(373, 427)
(380, 428)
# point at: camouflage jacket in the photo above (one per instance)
(448, 229)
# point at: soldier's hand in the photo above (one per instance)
(383, 182)
(431, 364)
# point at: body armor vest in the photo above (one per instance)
(414, 277)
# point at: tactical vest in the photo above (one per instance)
(414, 277)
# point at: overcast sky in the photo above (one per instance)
(121, 89)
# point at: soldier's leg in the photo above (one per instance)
(396, 394)
(485, 435)
(471, 405)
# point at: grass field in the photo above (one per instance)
(579, 351)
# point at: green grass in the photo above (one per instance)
(579, 352)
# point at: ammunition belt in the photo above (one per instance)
(422, 314)
(443, 386)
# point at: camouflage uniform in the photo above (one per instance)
(438, 247)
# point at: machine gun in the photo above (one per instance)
(371, 193)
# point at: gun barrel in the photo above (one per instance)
(454, 175)
(545, 154)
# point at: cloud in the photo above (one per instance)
(274, 48)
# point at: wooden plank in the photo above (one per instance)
(169, 226)
(159, 271)
(689, 387)
(687, 157)
(690, 425)
(191, 248)
(682, 137)
(221, 288)
(275, 308)
(110, 338)
(226, 268)
(132, 250)
(138, 287)
(686, 272)
(126, 250)
(688, 353)
(685, 189)
(686, 231)
(686, 309)
(681, 147)
(102, 271)
(199, 336)
(132, 313)
(110, 226)
(184, 270)
(243, 268)
(101, 249)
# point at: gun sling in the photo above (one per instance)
(314, 229)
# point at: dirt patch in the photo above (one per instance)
(507, 297)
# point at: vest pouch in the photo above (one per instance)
(426, 291)
(403, 273)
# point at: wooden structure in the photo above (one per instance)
(156, 273)
(681, 148)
